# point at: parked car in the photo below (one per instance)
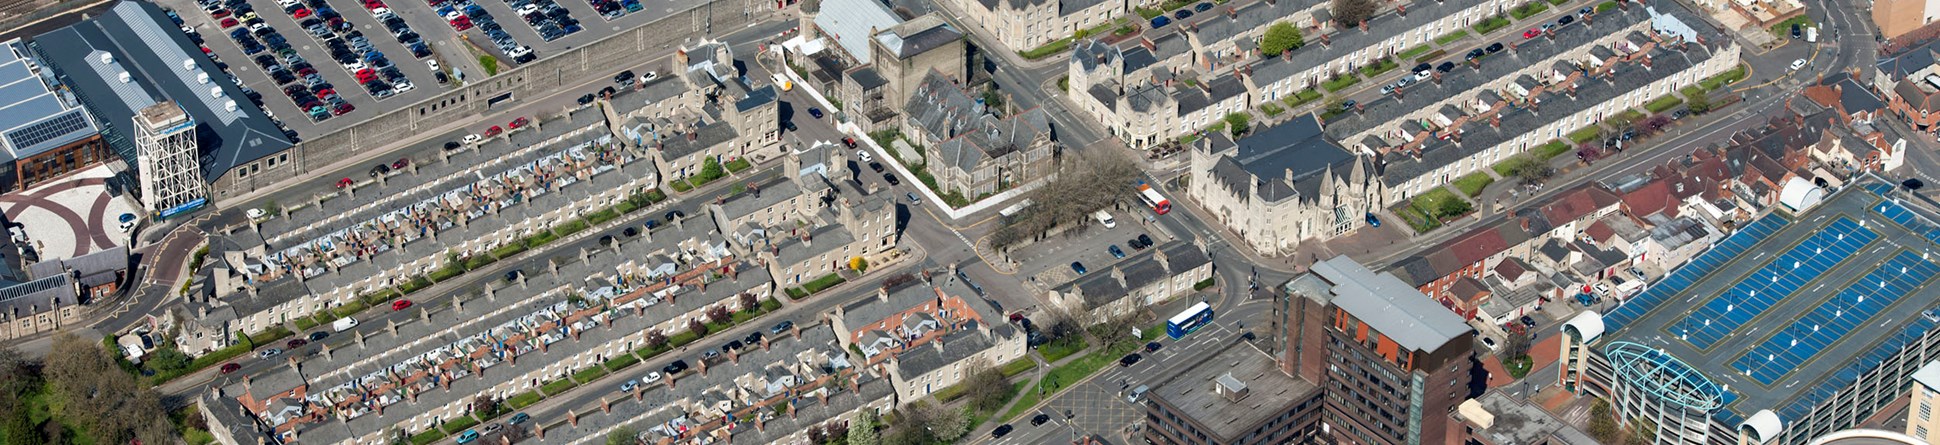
(779, 328)
(629, 386)
(1153, 347)
(1115, 251)
(230, 367)
(753, 338)
(1005, 428)
(1040, 419)
(319, 335)
(675, 368)
(296, 343)
(267, 353)
(518, 419)
(815, 112)
(400, 305)
(891, 179)
(1130, 359)
(1078, 267)
(652, 376)
(1531, 33)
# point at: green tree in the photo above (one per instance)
(863, 430)
(1238, 123)
(623, 436)
(1603, 423)
(711, 169)
(1699, 103)
(1281, 37)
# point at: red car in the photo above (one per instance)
(494, 131)
(461, 23)
(365, 75)
(219, 13)
(229, 22)
(400, 305)
(344, 108)
(1531, 33)
(345, 182)
(373, 4)
(401, 164)
(849, 141)
(301, 13)
(230, 367)
(519, 123)
(296, 343)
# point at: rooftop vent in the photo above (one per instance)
(188, 64)
(229, 105)
(1229, 387)
(215, 92)
(202, 78)
(107, 58)
(125, 77)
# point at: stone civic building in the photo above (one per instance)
(970, 149)
(1025, 24)
(1283, 185)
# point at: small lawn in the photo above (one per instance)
(1016, 367)
(1725, 78)
(524, 399)
(1784, 29)
(1410, 53)
(1473, 184)
(1663, 103)
(557, 386)
(1380, 66)
(589, 374)
(825, 282)
(737, 165)
(1336, 84)
(1549, 150)
(1491, 25)
(1528, 9)
(1302, 97)
(1440, 205)
(1450, 37)
(1518, 366)
(1606, 6)
(1271, 109)
(1585, 134)
(1061, 348)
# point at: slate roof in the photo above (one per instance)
(144, 43)
(677, 145)
(1065, 7)
(36, 296)
(1267, 155)
(963, 136)
(757, 98)
(950, 348)
(1141, 269)
(868, 78)
(1219, 25)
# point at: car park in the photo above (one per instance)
(1116, 252)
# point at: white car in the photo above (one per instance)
(652, 376)
(271, 352)
(454, 15)
(255, 213)
(1602, 289)
(402, 87)
(1797, 64)
(433, 64)
(528, 9)
(127, 226)
(629, 386)
(649, 76)
(473, 138)
(864, 156)
(354, 66)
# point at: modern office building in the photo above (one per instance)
(1925, 397)
(171, 179)
(1392, 362)
(1796, 326)
(44, 132)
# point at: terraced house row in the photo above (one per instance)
(1142, 94)
(1315, 180)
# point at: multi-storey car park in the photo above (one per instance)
(1802, 323)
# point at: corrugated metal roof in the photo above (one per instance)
(850, 23)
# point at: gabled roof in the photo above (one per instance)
(1575, 204)
(1383, 302)
(1648, 200)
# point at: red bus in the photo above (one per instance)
(1153, 199)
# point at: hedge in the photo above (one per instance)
(1410, 53)
(589, 374)
(1528, 9)
(1018, 366)
(1202, 284)
(1663, 103)
(825, 282)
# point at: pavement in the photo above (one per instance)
(72, 216)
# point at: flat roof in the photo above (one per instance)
(1837, 289)
(134, 38)
(1193, 392)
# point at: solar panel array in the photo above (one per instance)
(1682, 278)
(1832, 320)
(1751, 296)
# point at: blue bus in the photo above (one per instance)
(1195, 317)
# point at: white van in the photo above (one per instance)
(1105, 218)
(1137, 393)
(344, 324)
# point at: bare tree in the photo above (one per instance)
(695, 326)
(1350, 13)
(1060, 322)
(101, 398)
(656, 339)
(1086, 181)
(926, 423)
(984, 384)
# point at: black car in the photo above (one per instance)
(732, 346)
(1146, 240)
(1203, 7)
(675, 368)
(1476, 54)
(877, 166)
(1565, 20)
(1445, 67)
(754, 338)
(1000, 431)
(1153, 347)
(1182, 14)
(625, 78)
(1130, 359)
(587, 99)
(318, 335)
(1528, 322)
(1494, 47)
(673, 215)
(452, 145)
(1423, 68)
(513, 275)
(1040, 419)
(891, 179)
(779, 328)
